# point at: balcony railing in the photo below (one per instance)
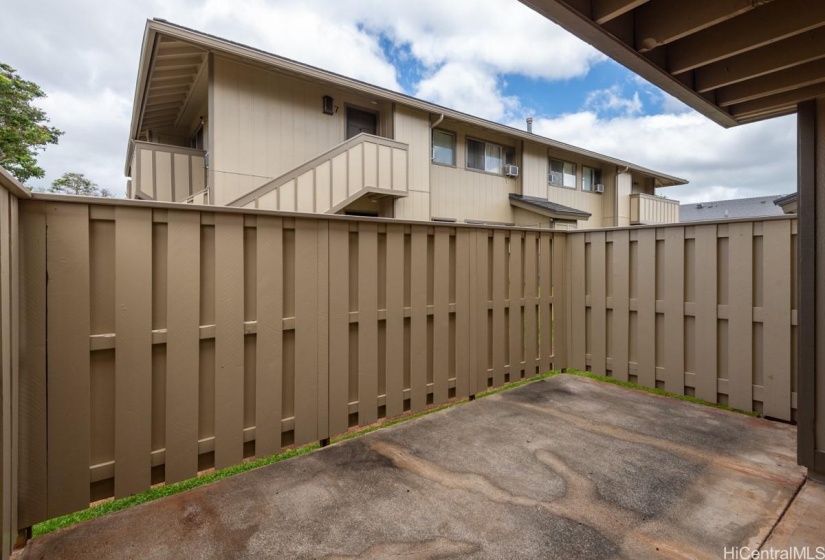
(362, 165)
(648, 209)
(167, 173)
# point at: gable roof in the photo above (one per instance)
(157, 28)
(734, 208)
(546, 208)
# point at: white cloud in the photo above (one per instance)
(753, 160)
(468, 88)
(610, 100)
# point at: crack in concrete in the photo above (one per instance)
(433, 549)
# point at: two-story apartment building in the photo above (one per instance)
(218, 122)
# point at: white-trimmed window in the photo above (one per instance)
(590, 177)
(562, 173)
(486, 156)
(443, 147)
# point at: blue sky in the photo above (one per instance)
(496, 59)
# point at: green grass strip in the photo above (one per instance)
(171, 489)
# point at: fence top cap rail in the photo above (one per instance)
(185, 207)
(689, 224)
(11, 184)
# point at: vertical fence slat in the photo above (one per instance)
(441, 315)
(418, 318)
(478, 316)
(339, 328)
(560, 319)
(9, 482)
(646, 308)
(462, 313)
(740, 316)
(183, 345)
(578, 310)
(395, 321)
(621, 304)
(32, 484)
(14, 312)
(530, 301)
(514, 296)
(306, 335)
(322, 325)
(269, 338)
(499, 265)
(367, 323)
(229, 339)
(777, 323)
(674, 343)
(133, 350)
(68, 304)
(598, 303)
(547, 348)
(707, 321)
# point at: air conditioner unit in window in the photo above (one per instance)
(598, 188)
(556, 178)
(511, 170)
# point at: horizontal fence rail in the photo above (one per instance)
(704, 310)
(181, 339)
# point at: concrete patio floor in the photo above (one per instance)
(562, 468)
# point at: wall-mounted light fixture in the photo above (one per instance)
(329, 107)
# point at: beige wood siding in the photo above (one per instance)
(624, 186)
(167, 173)
(266, 123)
(649, 209)
(413, 128)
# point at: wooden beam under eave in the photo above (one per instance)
(773, 57)
(664, 21)
(606, 10)
(780, 101)
(751, 30)
(797, 77)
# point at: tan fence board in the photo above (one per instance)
(578, 311)
(516, 286)
(322, 330)
(68, 360)
(499, 285)
(367, 324)
(621, 304)
(182, 346)
(306, 335)
(646, 308)
(32, 480)
(463, 291)
(598, 303)
(776, 324)
(441, 316)
(229, 340)
(548, 339)
(339, 328)
(394, 321)
(740, 315)
(706, 313)
(8, 391)
(133, 350)
(674, 358)
(530, 304)
(418, 318)
(560, 318)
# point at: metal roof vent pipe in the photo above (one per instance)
(530, 125)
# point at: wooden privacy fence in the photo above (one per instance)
(696, 309)
(181, 339)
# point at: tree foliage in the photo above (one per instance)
(77, 184)
(23, 127)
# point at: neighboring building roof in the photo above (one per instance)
(546, 208)
(734, 208)
(788, 203)
(210, 42)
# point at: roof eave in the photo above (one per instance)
(549, 213)
(146, 52)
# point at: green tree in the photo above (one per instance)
(78, 184)
(23, 128)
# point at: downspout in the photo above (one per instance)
(437, 121)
